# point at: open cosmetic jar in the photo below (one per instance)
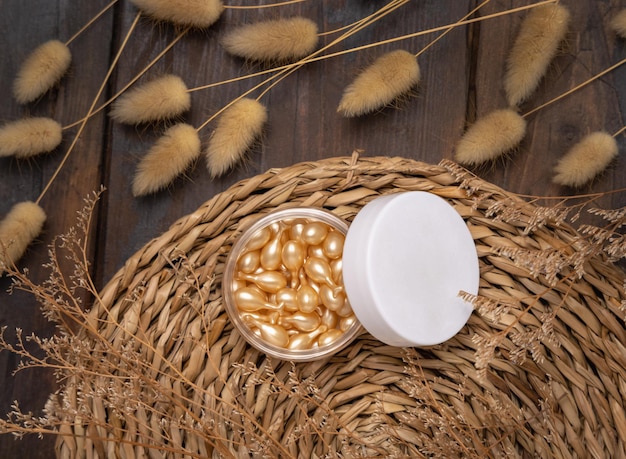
(301, 283)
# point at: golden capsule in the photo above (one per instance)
(329, 337)
(271, 253)
(259, 239)
(249, 299)
(287, 297)
(273, 334)
(301, 341)
(318, 270)
(316, 251)
(249, 261)
(345, 310)
(332, 299)
(346, 322)
(271, 318)
(292, 256)
(269, 281)
(336, 269)
(314, 233)
(296, 229)
(236, 284)
(307, 298)
(333, 244)
(329, 318)
(303, 321)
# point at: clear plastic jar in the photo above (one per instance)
(283, 286)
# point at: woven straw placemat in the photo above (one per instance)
(179, 378)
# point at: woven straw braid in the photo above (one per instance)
(384, 401)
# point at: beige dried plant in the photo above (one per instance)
(30, 137)
(490, 137)
(618, 23)
(17, 230)
(586, 159)
(387, 78)
(237, 128)
(278, 40)
(160, 99)
(194, 13)
(537, 42)
(168, 158)
(41, 71)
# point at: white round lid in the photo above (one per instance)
(406, 257)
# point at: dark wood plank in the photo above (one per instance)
(26, 25)
(461, 80)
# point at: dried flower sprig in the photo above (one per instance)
(17, 230)
(536, 44)
(618, 23)
(492, 135)
(387, 78)
(586, 159)
(194, 13)
(46, 65)
(278, 40)
(42, 70)
(237, 128)
(29, 137)
(159, 99)
(159, 166)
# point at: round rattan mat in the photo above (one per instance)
(178, 381)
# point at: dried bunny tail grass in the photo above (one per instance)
(586, 159)
(162, 98)
(388, 77)
(490, 137)
(41, 70)
(618, 23)
(17, 230)
(237, 128)
(537, 42)
(29, 137)
(170, 156)
(194, 13)
(278, 40)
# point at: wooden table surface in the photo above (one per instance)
(461, 81)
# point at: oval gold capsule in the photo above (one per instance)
(333, 244)
(303, 321)
(305, 340)
(249, 262)
(307, 298)
(259, 239)
(271, 253)
(249, 299)
(314, 233)
(269, 281)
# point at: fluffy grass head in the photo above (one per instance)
(29, 137)
(279, 40)
(618, 23)
(162, 98)
(586, 159)
(237, 128)
(490, 137)
(41, 70)
(169, 157)
(387, 78)
(194, 13)
(17, 230)
(536, 44)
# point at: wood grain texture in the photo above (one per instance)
(461, 81)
